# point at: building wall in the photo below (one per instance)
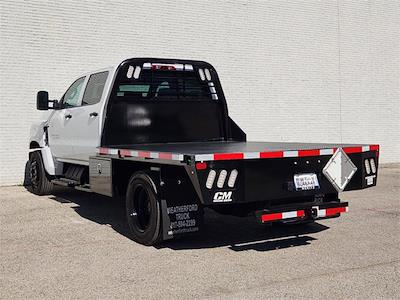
(311, 71)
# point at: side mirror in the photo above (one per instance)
(42, 100)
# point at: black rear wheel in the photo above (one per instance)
(39, 182)
(143, 210)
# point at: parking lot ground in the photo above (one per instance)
(75, 245)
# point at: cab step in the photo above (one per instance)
(65, 182)
(83, 188)
(72, 183)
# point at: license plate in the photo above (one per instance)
(305, 182)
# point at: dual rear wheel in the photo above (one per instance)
(143, 209)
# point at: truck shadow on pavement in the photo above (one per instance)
(242, 234)
(238, 234)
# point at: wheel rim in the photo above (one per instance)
(34, 173)
(141, 211)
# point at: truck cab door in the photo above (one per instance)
(86, 120)
(60, 128)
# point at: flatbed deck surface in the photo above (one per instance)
(228, 147)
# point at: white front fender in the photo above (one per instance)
(51, 166)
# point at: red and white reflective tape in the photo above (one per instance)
(235, 156)
(281, 154)
(109, 151)
(282, 215)
(148, 154)
(141, 154)
(321, 213)
(327, 212)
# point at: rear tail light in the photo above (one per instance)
(373, 166)
(210, 179)
(202, 75)
(221, 178)
(163, 67)
(188, 67)
(232, 178)
(367, 166)
(137, 72)
(167, 67)
(201, 166)
(130, 71)
(208, 74)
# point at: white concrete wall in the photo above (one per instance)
(312, 71)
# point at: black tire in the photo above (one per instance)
(143, 210)
(39, 181)
(27, 176)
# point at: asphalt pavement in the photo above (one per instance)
(75, 245)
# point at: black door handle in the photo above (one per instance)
(68, 116)
(93, 114)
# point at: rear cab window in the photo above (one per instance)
(94, 88)
(165, 82)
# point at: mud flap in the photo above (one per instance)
(180, 219)
(181, 209)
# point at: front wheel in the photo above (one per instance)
(143, 210)
(39, 181)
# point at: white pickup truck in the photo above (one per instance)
(157, 132)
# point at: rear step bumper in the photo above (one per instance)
(303, 212)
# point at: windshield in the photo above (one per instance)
(138, 83)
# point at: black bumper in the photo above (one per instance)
(302, 212)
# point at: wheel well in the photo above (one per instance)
(34, 145)
(175, 176)
(122, 172)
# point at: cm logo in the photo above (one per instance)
(223, 197)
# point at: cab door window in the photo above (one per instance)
(94, 88)
(72, 95)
